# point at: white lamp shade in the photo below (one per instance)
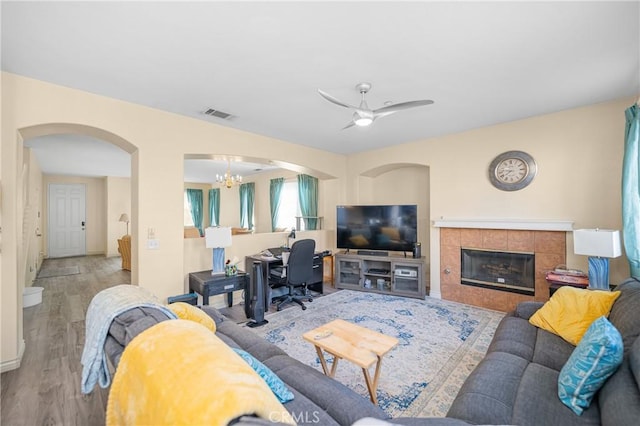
(124, 218)
(217, 237)
(597, 242)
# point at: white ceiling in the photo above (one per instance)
(482, 63)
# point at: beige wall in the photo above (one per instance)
(579, 157)
(157, 142)
(34, 224)
(118, 201)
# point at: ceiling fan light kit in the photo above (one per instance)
(363, 115)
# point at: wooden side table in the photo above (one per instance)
(354, 343)
(210, 285)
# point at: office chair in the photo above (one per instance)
(296, 274)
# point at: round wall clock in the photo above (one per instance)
(512, 170)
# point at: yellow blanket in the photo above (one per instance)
(179, 373)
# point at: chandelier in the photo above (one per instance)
(228, 179)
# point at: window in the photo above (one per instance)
(188, 220)
(289, 208)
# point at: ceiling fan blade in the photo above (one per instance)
(401, 106)
(334, 100)
(351, 124)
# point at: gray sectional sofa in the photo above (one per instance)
(517, 381)
(515, 384)
(318, 399)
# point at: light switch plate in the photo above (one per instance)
(153, 244)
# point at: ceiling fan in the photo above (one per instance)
(363, 115)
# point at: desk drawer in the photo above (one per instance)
(225, 286)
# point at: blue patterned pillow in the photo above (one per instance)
(279, 389)
(597, 356)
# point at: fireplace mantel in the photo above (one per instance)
(516, 224)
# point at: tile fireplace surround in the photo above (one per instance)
(549, 247)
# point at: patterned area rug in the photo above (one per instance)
(440, 344)
(58, 272)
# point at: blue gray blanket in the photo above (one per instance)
(104, 307)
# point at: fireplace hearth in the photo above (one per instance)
(498, 270)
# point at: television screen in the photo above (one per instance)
(391, 227)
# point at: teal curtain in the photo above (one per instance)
(247, 195)
(214, 207)
(275, 189)
(631, 190)
(308, 198)
(195, 202)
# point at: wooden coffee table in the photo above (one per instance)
(356, 344)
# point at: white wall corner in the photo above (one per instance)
(13, 364)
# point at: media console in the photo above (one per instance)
(393, 274)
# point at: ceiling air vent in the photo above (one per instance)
(215, 113)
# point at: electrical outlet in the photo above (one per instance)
(153, 244)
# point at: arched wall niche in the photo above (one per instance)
(400, 183)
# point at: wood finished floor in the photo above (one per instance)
(45, 390)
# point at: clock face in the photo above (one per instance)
(512, 170)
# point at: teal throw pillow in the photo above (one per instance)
(597, 356)
(279, 389)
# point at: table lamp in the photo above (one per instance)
(599, 245)
(291, 237)
(217, 239)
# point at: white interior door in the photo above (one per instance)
(67, 220)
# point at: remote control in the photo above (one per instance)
(322, 335)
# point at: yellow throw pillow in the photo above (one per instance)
(193, 313)
(570, 311)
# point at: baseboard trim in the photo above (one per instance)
(13, 364)
(435, 295)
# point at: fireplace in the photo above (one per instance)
(498, 270)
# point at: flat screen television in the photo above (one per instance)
(377, 227)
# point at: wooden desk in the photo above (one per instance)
(210, 285)
(272, 262)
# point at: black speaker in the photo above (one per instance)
(417, 250)
(255, 297)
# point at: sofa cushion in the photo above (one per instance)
(624, 313)
(634, 360)
(570, 311)
(218, 318)
(489, 393)
(526, 309)
(551, 351)
(329, 395)
(596, 357)
(537, 402)
(274, 382)
(620, 396)
(516, 336)
(247, 340)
